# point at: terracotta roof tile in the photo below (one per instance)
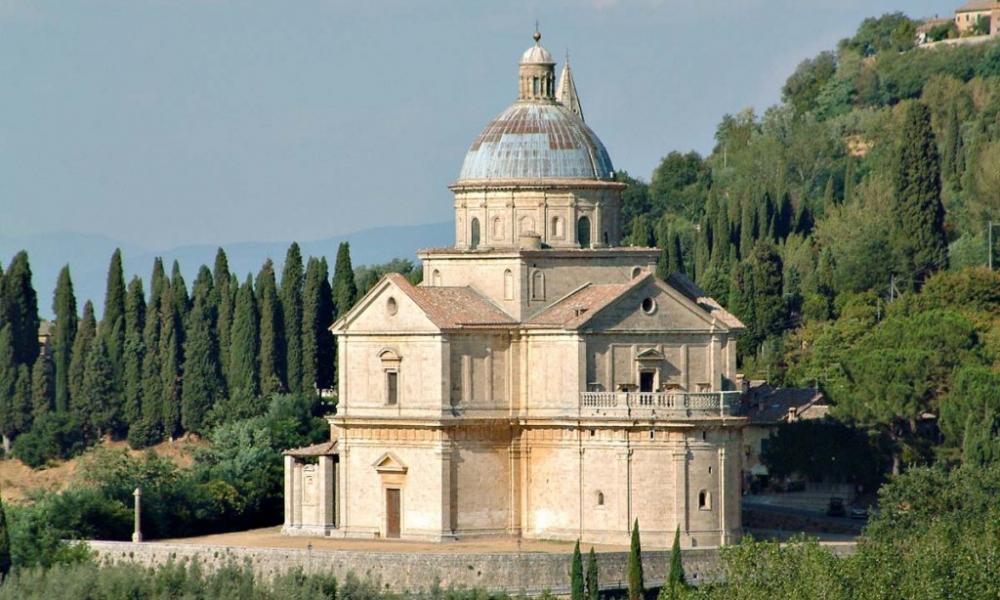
(577, 307)
(697, 295)
(321, 449)
(453, 307)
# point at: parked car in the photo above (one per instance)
(836, 508)
(859, 512)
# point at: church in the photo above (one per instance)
(541, 382)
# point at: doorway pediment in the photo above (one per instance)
(388, 464)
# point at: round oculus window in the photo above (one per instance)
(391, 307)
(649, 306)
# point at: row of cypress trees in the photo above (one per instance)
(169, 361)
(587, 587)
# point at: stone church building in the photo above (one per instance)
(541, 381)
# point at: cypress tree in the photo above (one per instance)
(803, 219)
(741, 304)
(202, 385)
(918, 239)
(8, 384)
(769, 305)
(593, 584)
(676, 580)
(676, 264)
(721, 236)
(291, 312)
(244, 374)
(86, 332)
(849, 181)
(180, 299)
(226, 294)
(663, 262)
(42, 386)
(96, 410)
(22, 400)
(171, 361)
(135, 351)
(345, 290)
(20, 309)
(151, 427)
(5, 561)
(576, 583)
(766, 217)
(829, 195)
(112, 326)
(63, 334)
(270, 329)
(783, 217)
(951, 145)
(311, 324)
(325, 343)
(636, 586)
(748, 228)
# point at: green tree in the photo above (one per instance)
(313, 323)
(226, 292)
(85, 334)
(42, 386)
(112, 325)
(326, 345)
(171, 362)
(22, 404)
(593, 584)
(95, 408)
(675, 584)
(642, 234)
(291, 312)
(769, 317)
(8, 385)
(244, 374)
(809, 78)
(345, 290)
(20, 309)
(135, 351)
(636, 585)
(63, 334)
(5, 561)
(576, 583)
(202, 386)
(271, 324)
(918, 239)
(150, 429)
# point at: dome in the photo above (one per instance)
(536, 55)
(537, 140)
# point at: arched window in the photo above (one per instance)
(498, 233)
(436, 277)
(391, 306)
(600, 498)
(474, 243)
(704, 500)
(538, 286)
(583, 232)
(508, 285)
(636, 272)
(557, 227)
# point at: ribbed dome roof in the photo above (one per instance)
(532, 140)
(536, 55)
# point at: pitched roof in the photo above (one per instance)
(697, 295)
(453, 307)
(321, 449)
(978, 5)
(566, 92)
(577, 307)
(766, 405)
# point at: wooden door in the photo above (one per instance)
(392, 513)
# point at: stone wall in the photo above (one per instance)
(529, 572)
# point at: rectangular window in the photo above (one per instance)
(391, 388)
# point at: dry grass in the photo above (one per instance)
(18, 481)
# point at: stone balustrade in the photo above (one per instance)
(660, 405)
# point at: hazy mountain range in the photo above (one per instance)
(88, 256)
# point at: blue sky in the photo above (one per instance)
(170, 122)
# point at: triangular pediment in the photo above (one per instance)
(654, 306)
(389, 463)
(650, 354)
(387, 307)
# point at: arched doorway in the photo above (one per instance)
(583, 232)
(475, 234)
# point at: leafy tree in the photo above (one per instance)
(679, 185)
(635, 199)
(805, 84)
(202, 386)
(893, 31)
(642, 235)
(22, 399)
(326, 345)
(826, 451)
(576, 584)
(766, 281)
(919, 241)
(291, 310)
(85, 334)
(20, 309)
(593, 585)
(63, 334)
(135, 350)
(974, 393)
(271, 321)
(636, 587)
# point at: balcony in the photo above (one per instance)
(660, 405)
